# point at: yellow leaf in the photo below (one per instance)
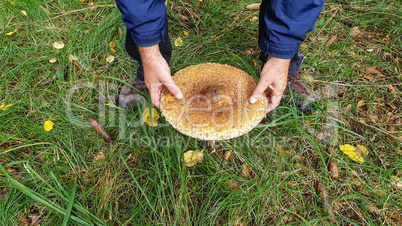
(91, 4)
(363, 150)
(112, 105)
(11, 32)
(255, 63)
(72, 58)
(24, 12)
(109, 59)
(254, 19)
(12, 3)
(58, 45)
(185, 33)
(4, 107)
(350, 151)
(191, 158)
(48, 125)
(113, 44)
(178, 42)
(151, 120)
(82, 0)
(52, 60)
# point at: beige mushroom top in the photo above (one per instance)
(215, 103)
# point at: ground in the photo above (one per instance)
(276, 174)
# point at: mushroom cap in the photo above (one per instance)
(215, 103)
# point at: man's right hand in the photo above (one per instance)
(157, 74)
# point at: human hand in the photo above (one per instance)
(274, 76)
(157, 74)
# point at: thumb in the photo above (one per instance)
(173, 88)
(258, 91)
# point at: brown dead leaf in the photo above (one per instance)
(254, 6)
(380, 75)
(373, 118)
(360, 104)
(348, 107)
(227, 155)
(355, 32)
(362, 120)
(372, 70)
(392, 89)
(72, 58)
(308, 77)
(368, 77)
(182, 17)
(113, 44)
(91, 3)
(199, 1)
(233, 185)
(246, 171)
(332, 39)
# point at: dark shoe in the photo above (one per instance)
(296, 92)
(129, 96)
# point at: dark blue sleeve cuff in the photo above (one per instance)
(148, 40)
(282, 51)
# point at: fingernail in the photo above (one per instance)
(253, 100)
(179, 95)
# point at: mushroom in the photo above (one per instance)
(215, 103)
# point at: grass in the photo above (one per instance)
(71, 176)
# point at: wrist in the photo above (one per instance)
(149, 53)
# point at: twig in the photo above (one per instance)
(83, 9)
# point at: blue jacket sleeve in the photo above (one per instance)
(284, 23)
(146, 20)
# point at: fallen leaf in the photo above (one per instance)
(191, 158)
(113, 106)
(254, 6)
(380, 75)
(392, 89)
(363, 150)
(48, 125)
(348, 107)
(246, 171)
(100, 156)
(12, 3)
(368, 77)
(52, 60)
(178, 42)
(58, 45)
(199, 1)
(148, 119)
(82, 0)
(109, 59)
(254, 19)
(255, 63)
(372, 70)
(355, 32)
(332, 39)
(72, 58)
(182, 17)
(24, 13)
(113, 44)
(4, 107)
(11, 32)
(308, 77)
(333, 168)
(351, 152)
(360, 104)
(227, 155)
(185, 33)
(233, 185)
(91, 4)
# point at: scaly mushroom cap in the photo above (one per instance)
(215, 103)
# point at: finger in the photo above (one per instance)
(258, 91)
(155, 93)
(273, 101)
(173, 88)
